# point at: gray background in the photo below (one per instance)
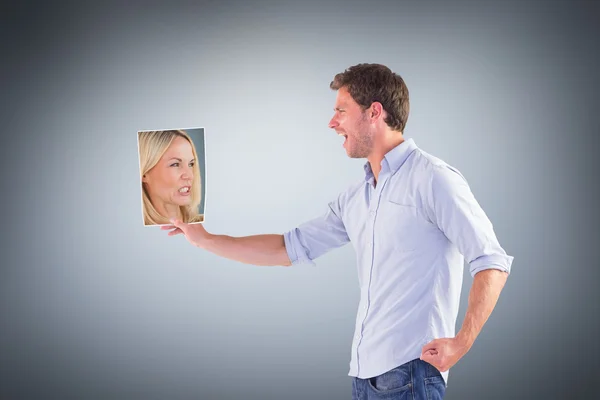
(95, 306)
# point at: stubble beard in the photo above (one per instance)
(363, 141)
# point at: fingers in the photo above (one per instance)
(176, 229)
(179, 224)
(429, 352)
(435, 353)
(429, 357)
(175, 223)
(433, 345)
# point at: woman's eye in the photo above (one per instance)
(175, 164)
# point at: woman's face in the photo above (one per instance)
(170, 181)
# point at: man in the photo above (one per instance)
(412, 220)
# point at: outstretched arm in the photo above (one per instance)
(302, 244)
(263, 250)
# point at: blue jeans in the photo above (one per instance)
(415, 380)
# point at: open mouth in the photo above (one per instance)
(344, 136)
(184, 190)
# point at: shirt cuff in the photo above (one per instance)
(496, 261)
(296, 252)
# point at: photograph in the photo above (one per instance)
(172, 175)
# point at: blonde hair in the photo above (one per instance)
(152, 146)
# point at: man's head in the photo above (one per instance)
(371, 100)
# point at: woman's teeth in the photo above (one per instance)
(184, 190)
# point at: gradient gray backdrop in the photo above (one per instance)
(95, 306)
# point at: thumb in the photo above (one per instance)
(179, 224)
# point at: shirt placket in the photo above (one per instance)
(373, 205)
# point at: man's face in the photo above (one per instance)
(351, 121)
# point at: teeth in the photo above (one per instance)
(184, 190)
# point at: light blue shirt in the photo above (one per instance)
(412, 232)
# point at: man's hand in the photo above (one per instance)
(444, 353)
(194, 233)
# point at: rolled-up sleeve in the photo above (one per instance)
(458, 214)
(316, 237)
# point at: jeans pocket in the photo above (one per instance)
(435, 388)
(394, 384)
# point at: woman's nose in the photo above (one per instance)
(187, 174)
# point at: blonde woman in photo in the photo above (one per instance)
(170, 177)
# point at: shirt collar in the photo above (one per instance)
(393, 158)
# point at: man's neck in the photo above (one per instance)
(379, 152)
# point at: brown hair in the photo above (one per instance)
(368, 83)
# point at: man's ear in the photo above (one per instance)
(377, 111)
